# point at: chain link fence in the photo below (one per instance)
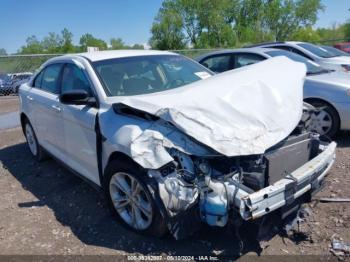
(18, 69)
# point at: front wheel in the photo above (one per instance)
(326, 120)
(130, 200)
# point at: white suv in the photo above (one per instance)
(172, 145)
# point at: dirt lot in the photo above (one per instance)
(44, 209)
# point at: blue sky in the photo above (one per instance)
(129, 19)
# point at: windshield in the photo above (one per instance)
(316, 50)
(312, 67)
(147, 74)
(335, 51)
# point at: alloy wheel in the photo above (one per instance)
(321, 122)
(131, 201)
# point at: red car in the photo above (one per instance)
(343, 46)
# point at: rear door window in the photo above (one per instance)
(245, 59)
(218, 63)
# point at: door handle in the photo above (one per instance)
(56, 108)
(30, 98)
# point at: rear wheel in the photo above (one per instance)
(32, 142)
(326, 120)
(130, 200)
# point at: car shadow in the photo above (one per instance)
(343, 139)
(82, 208)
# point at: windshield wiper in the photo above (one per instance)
(325, 71)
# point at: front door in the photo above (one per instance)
(79, 125)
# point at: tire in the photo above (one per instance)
(327, 115)
(151, 225)
(32, 142)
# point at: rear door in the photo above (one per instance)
(46, 113)
(79, 124)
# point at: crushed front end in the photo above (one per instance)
(218, 190)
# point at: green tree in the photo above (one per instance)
(89, 40)
(117, 43)
(3, 51)
(214, 25)
(52, 43)
(167, 29)
(138, 46)
(284, 17)
(346, 30)
(306, 34)
(67, 42)
(33, 46)
(225, 23)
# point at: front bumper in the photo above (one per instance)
(285, 191)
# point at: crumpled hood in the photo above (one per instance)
(239, 112)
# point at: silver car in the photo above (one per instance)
(327, 90)
(326, 59)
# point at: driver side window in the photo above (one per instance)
(73, 78)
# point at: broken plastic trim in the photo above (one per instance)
(273, 197)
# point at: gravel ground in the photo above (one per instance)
(44, 209)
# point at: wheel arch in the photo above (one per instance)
(23, 119)
(316, 99)
(119, 157)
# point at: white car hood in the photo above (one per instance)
(239, 112)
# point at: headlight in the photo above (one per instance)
(346, 68)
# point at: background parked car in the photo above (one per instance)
(343, 46)
(5, 89)
(314, 53)
(17, 79)
(327, 90)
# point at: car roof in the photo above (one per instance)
(275, 43)
(257, 50)
(111, 54)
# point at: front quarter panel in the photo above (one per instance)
(127, 134)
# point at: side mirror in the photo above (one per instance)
(77, 97)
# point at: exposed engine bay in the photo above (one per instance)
(212, 189)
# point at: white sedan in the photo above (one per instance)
(173, 145)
